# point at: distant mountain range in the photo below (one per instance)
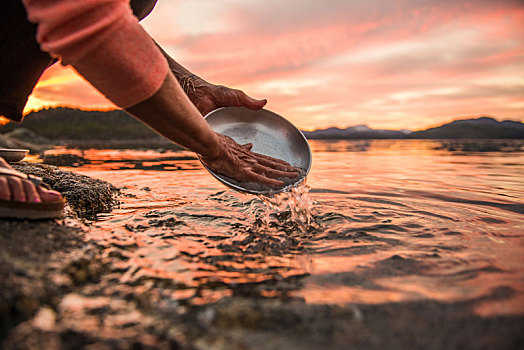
(478, 128)
(72, 124)
(355, 132)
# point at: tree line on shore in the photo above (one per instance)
(64, 123)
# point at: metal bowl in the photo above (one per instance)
(270, 134)
(12, 154)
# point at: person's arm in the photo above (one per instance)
(206, 96)
(103, 41)
(170, 112)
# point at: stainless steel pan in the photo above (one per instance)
(270, 134)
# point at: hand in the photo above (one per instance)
(239, 163)
(207, 97)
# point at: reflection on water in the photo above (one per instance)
(379, 221)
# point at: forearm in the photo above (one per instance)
(187, 80)
(206, 96)
(171, 113)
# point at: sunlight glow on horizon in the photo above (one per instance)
(403, 64)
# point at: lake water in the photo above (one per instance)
(384, 221)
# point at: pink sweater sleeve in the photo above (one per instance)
(103, 41)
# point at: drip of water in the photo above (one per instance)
(291, 211)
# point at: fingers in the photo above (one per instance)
(245, 150)
(276, 165)
(247, 146)
(252, 176)
(270, 161)
(253, 104)
(266, 166)
(273, 173)
(241, 164)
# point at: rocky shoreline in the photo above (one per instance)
(41, 260)
(56, 294)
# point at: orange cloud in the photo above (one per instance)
(62, 86)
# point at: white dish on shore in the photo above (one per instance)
(13, 154)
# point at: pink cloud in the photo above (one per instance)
(403, 64)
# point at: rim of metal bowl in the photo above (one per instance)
(12, 155)
(13, 150)
(268, 192)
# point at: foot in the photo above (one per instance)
(21, 190)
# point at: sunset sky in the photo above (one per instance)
(399, 64)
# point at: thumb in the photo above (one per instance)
(250, 102)
(247, 146)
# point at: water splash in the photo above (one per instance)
(291, 211)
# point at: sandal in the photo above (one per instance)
(29, 210)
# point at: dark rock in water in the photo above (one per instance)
(71, 160)
(86, 196)
(480, 146)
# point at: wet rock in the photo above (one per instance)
(71, 160)
(168, 223)
(86, 196)
(41, 260)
